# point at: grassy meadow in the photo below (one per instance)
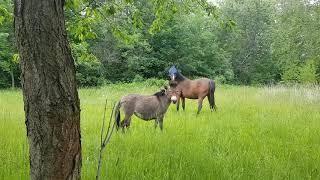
(257, 133)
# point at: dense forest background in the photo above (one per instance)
(232, 41)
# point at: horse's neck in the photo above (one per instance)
(185, 83)
(181, 77)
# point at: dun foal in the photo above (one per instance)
(151, 107)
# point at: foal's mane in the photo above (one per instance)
(158, 94)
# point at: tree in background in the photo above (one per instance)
(296, 43)
(256, 42)
(149, 55)
(190, 42)
(9, 70)
(250, 41)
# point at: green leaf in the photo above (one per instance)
(1, 19)
(111, 10)
(16, 58)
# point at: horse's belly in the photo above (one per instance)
(189, 95)
(192, 97)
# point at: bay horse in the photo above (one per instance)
(192, 89)
(146, 107)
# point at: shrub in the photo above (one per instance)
(156, 82)
(291, 74)
(220, 79)
(138, 78)
(308, 73)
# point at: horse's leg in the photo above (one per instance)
(200, 100)
(178, 103)
(183, 100)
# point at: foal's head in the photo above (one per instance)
(174, 93)
(163, 93)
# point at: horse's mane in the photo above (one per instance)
(180, 77)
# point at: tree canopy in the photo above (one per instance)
(239, 42)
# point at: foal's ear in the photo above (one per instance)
(173, 84)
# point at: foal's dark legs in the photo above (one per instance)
(160, 121)
(200, 100)
(155, 123)
(126, 122)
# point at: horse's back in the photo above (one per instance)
(202, 82)
(193, 89)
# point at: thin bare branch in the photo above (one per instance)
(103, 120)
(106, 139)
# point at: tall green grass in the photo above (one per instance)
(257, 133)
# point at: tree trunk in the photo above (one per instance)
(12, 79)
(51, 102)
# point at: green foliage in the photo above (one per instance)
(138, 78)
(291, 74)
(308, 72)
(160, 83)
(190, 42)
(87, 66)
(220, 79)
(240, 42)
(9, 64)
(295, 40)
(5, 12)
(305, 74)
(250, 41)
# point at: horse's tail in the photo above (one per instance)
(212, 88)
(117, 114)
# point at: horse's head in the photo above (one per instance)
(173, 71)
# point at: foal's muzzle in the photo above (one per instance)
(174, 99)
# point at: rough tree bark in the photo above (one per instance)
(51, 102)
